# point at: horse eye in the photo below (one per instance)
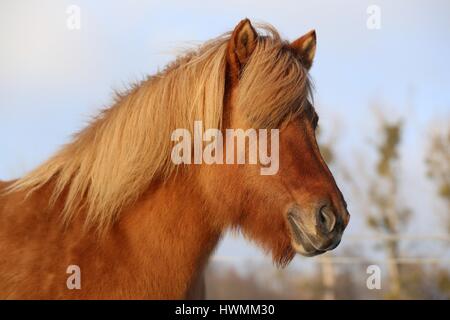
(314, 119)
(311, 115)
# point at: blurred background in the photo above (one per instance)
(382, 90)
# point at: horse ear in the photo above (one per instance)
(241, 45)
(305, 46)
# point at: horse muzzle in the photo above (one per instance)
(317, 232)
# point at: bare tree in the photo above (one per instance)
(386, 215)
(438, 165)
(378, 193)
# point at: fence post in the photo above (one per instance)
(328, 278)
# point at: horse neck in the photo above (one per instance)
(172, 230)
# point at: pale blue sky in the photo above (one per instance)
(53, 79)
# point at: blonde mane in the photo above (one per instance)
(109, 164)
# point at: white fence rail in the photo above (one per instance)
(378, 237)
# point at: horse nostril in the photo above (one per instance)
(327, 218)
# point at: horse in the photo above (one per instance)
(110, 216)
